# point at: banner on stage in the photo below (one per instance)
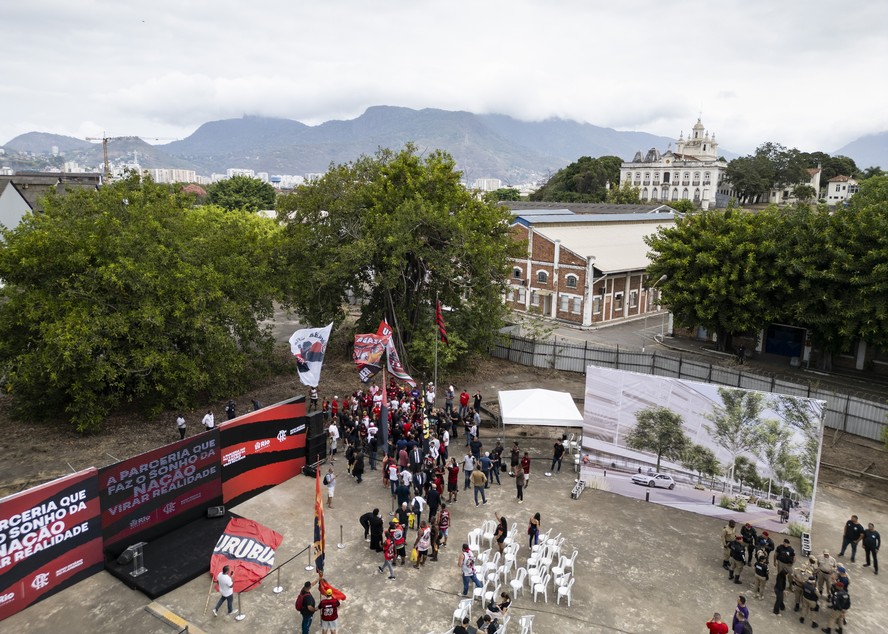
(247, 548)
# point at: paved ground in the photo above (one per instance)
(641, 568)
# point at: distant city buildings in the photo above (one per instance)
(692, 172)
(487, 184)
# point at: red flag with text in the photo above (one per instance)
(247, 548)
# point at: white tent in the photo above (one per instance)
(539, 407)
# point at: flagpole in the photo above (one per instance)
(436, 347)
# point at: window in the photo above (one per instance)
(534, 298)
(596, 305)
(576, 306)
(516, 273)
(618, 301)
(571, 281)
(633, 299)
(542, 277)
(564, 301)
(522, 295)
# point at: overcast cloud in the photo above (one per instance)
(806, 74)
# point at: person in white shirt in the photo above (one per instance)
(209, 421)
(226, 591)
(406, 477)
(333, 430)
(180, 425)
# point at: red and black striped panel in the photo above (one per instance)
(160, 490)
(50, 538)
(262, 449)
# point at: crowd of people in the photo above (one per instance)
(819, 586)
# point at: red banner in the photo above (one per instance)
(247, 548)
(50, 538)
(319, 537)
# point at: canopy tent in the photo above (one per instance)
(539, 407)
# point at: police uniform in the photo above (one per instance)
(761, 576)
(835, 617)
(809, 601)
(826, 568)
(728, 537)
(799, 576)
(738, 559)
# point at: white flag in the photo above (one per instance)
(308, 346)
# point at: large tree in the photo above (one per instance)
(242, 192)
(584, 180)
(660, 431)
(702, 460)
(397, 230)
(736, 422)
(720, 271)
(127, 294)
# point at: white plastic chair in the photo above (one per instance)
(475, 541)
(510, 537)
(484, 556)
(542, 586)
(488, 529)
(565, 564)
(511, 553)
(464, 609)
(536, 575)
(563, 580)
(502, 628)
(526, 623)
(517, 583)
(491, 564)
(504, 569)
(491, 595)
(479, 592)
(565, 592)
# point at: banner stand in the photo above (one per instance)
(309, 566)
(340, 545)
(240, 615)
(278, 588)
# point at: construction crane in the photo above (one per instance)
(104, 139)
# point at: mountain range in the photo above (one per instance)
(483, 146)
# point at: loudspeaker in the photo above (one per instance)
(309, 471)
(126, 557)
(215, 511)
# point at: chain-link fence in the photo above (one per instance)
(849, 413)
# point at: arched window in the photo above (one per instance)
(542, 277)
(697, 195)
(644, 193)
(675, 194)
(516, 272)
(571, 281)
(685, 194)
(654, 195)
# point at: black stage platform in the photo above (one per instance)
(175, 558)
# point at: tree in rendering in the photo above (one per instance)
(735, 424)
(702, 460)
(658, 430)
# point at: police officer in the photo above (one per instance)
(750, 536)
(809, 601)
(839, 604)
(728, 538)
(826, 568)
(738, 559)
(784, 558)
(761, 576)
(800, 575)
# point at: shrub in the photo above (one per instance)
(796, 529)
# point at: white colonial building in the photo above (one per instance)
(692, 172)
(839, 189)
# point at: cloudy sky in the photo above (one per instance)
(809, 74)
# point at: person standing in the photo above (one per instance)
(209, 421)
(740, 611)
(741, 354)
(557, 455)
(231, 410)
(388, 552)
(329, 608)
(448, 400)
(826, 568)
(840, 603)
(468, 468)
(502, 531)
(809, 601)
(851, 537)
(376, 531)
(466, 563)
(872, 541)
(180, 425)
(728, 536)
(398, 531)
(514, 458)
(750, 536)
(779, 589)
(452, 480)
(422, 543)
(333, 431)
(784, 557)
(226, 591)
(479, 480)
(330, 482)
(738, 560)
(761, 576)
(313, 398)
(533, 530)
(305, 605)
(358, 467)
(443, 525)
(716, 626)
(525, 467)
(463, 404)
(477, 402)
(519, 485)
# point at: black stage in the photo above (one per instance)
(173, 559)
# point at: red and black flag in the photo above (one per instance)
(439, 319)
(319, 539)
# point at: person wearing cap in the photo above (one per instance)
(826, 568)
(800, 575)
(738, 559)
(872, 541)
(809, 601)
(749, 535)
(839, 604)
(728, 537)
(843, 578)
(784, 557)
(329, 609)
(761, 576)
(766, 544)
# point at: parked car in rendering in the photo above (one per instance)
(660, 480)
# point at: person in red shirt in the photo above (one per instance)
(463, 403)
(334, 407)
(388, 551)
(329, 609)
(452, 480)
(525, 467)
(716, 625)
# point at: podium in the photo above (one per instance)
(136, 551)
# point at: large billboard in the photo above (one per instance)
(50, 538)
(160, 490)
(262, 449)
(720, 451)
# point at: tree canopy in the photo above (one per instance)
(129, 295)
(583, 181)
(660, 431)
(398, 230)
(242, 192)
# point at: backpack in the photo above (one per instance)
(299, 601)
(841, 600)
(327, 479)
(747, 628)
